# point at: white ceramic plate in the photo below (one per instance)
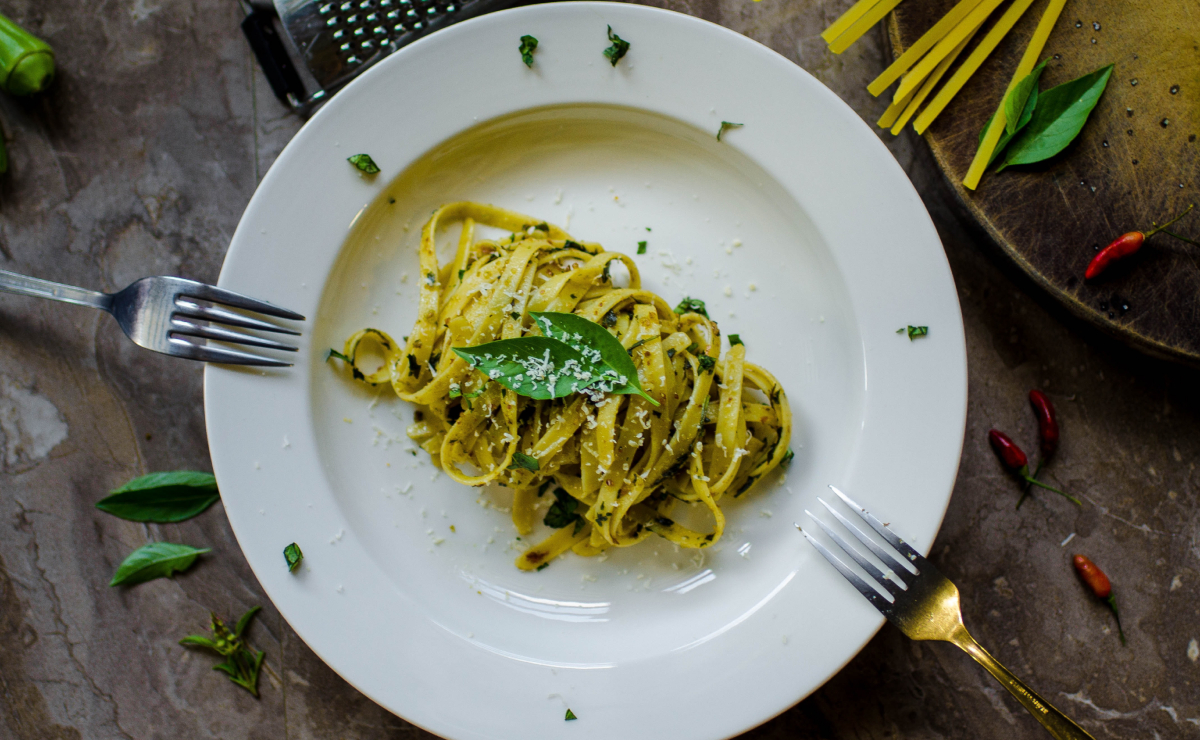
(801, 232)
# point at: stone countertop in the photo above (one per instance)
(140, 160)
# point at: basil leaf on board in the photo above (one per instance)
(596, 344)
(521, 461)
(1014, 102)
(1059, 117)
(162, 497)
(528, 46)
(156, 560)
(1026, 114)
(292, 555)
(364, 163)
(618, 48)
(535, 367)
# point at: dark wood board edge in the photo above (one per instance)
(1074, 306)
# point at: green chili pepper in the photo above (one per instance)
(26, 62)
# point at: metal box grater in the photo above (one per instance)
(335, 40)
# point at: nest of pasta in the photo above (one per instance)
(614, 464)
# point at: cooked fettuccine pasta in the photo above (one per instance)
(616, 463)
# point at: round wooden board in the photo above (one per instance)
(1134, 163)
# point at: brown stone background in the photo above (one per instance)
(140, 161)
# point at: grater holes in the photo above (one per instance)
(326, 9)
(346, 7)
(338, 34)
(380, 31)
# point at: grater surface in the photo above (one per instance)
(338, 39)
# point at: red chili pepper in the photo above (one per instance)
(1095, 579)
(1013, 456)
(1047, 423)
(1127, 244)
(1047, 432)
(1015, 460)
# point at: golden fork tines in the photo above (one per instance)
(924, 605)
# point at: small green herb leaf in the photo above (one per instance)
(597, 345)
(334, 353)
(707, 363)
(162, 497)
(562, 512)
(725, 126)
(734, 339)
(618, 49)
(528, 46)
(1059, 117)
(917, 331)
(364, 163)
(293, 556)
(570, 715)
(521, 461)
(156, 560)
(641, 247)
(543, 566)
(787, 458)
(692, 305)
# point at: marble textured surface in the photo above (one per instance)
(140, 160)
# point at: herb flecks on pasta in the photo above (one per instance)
(702, 427)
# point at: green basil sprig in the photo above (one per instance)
(156, 560)
(162, 497)
(618, 49)
(590, 339)
(242, 662)
(575, 355)
(1055, 117)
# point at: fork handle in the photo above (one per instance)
(1055, 722)
(11, 282)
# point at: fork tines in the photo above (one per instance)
(193, 319)
(905, 560)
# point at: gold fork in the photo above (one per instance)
(924, 605)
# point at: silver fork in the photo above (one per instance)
(924, 605)
(157, 312)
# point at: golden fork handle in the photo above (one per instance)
(1055, 722)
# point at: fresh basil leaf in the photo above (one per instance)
(535, 367)
(692, 305)
(244, 622)
(521, 461)
(1014, 102)
(293, 556)
(364, 163)
(734, 339)
(528, 46)
(156, 560)
(1059, 117)
(707, 363)
(917, 331)
(1026, 115)
(595, 344)
(641, 248)
(562, 512)
(725, 126)
(618, 49)
(570, 715)
(162, 497)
